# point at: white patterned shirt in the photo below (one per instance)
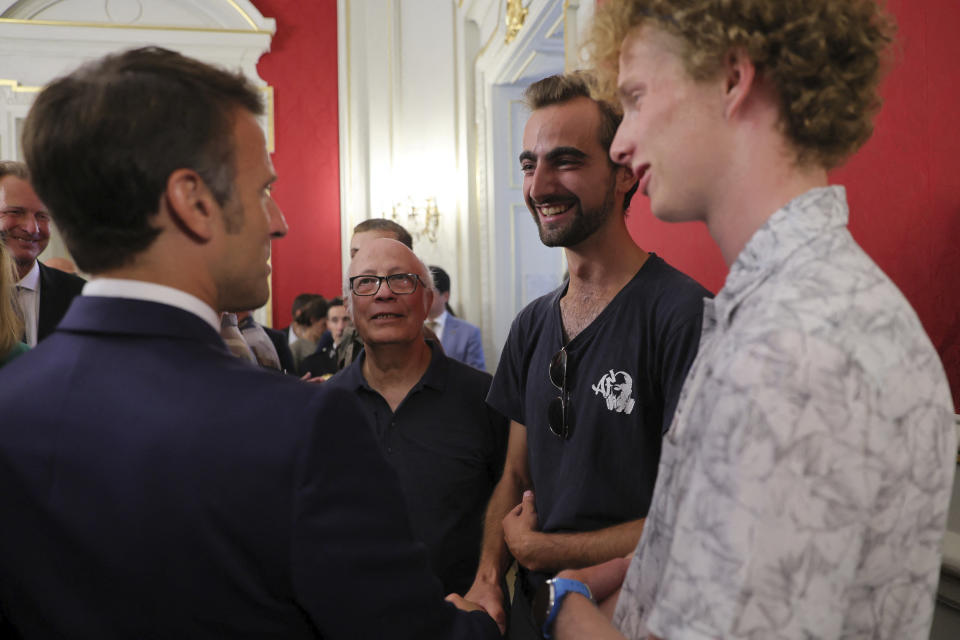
(804, 483)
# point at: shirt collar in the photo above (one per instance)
(435, 376)
(31, 281)
(441, 321)
(789, 228)
(153, 292)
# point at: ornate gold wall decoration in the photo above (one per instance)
(516, 14)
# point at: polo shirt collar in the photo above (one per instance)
(435, 376)
(800, 221)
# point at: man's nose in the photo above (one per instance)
(621, 149)
(384, 292)
(541, 182)
(30, 224)
(278, 223)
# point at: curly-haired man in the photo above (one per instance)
(804, 482)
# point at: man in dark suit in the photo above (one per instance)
(42, 293)
(167, 489)
(461, 340)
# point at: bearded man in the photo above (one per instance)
(624, 315)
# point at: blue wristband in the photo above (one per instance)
(559, 588)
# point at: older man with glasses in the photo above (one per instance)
(428, 411)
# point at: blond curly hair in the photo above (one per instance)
(824, 57)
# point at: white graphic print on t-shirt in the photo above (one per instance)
(616, 389)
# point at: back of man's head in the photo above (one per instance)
(388, 227)
(441, 280)
(102, 142)
(563, 88)
(822, 57)
(312, 312)
(301, 301)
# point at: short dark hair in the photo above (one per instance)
(336, 302)
(441, 280)
(15, 169)
(102, 141)
(384, 224)
(301, 301)
(565, 87)
(313, 311)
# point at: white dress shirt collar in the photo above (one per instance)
(441, 322)
(31, 281)
(28, 297)
(153, 292)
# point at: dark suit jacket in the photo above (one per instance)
(462, 341)
(57, 291)
(165, 489)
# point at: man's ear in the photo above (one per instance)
(740, 80)
(190, 204)
(625, 179)
(428, 294)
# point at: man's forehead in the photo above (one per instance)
(384, 254)
(574, 123)
(19, 190)
(362, 238)
(646, 47)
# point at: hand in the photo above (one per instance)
(488, 597)
(307, 378)
(521, 532)
(603, 579)
(463, 604)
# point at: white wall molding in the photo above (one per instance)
(420, 81)
(43, 39)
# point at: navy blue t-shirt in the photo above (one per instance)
(624, 374)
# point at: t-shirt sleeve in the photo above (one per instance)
(506, 390)
(679, 351)
(499, 433)
(768, 529)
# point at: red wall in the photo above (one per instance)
(302, 69)
(903, 185)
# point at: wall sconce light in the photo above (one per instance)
(422, 220)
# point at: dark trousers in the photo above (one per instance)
(520, 625)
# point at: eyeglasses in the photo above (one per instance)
(401, 284)
(559, 408)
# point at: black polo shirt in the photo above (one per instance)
(448, 447)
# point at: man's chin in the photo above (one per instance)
(245, 301)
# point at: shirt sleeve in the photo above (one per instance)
(499, 434)
(679, 351)
(505, 393)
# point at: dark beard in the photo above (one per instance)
(583, 225)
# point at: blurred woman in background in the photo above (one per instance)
(11, 324)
